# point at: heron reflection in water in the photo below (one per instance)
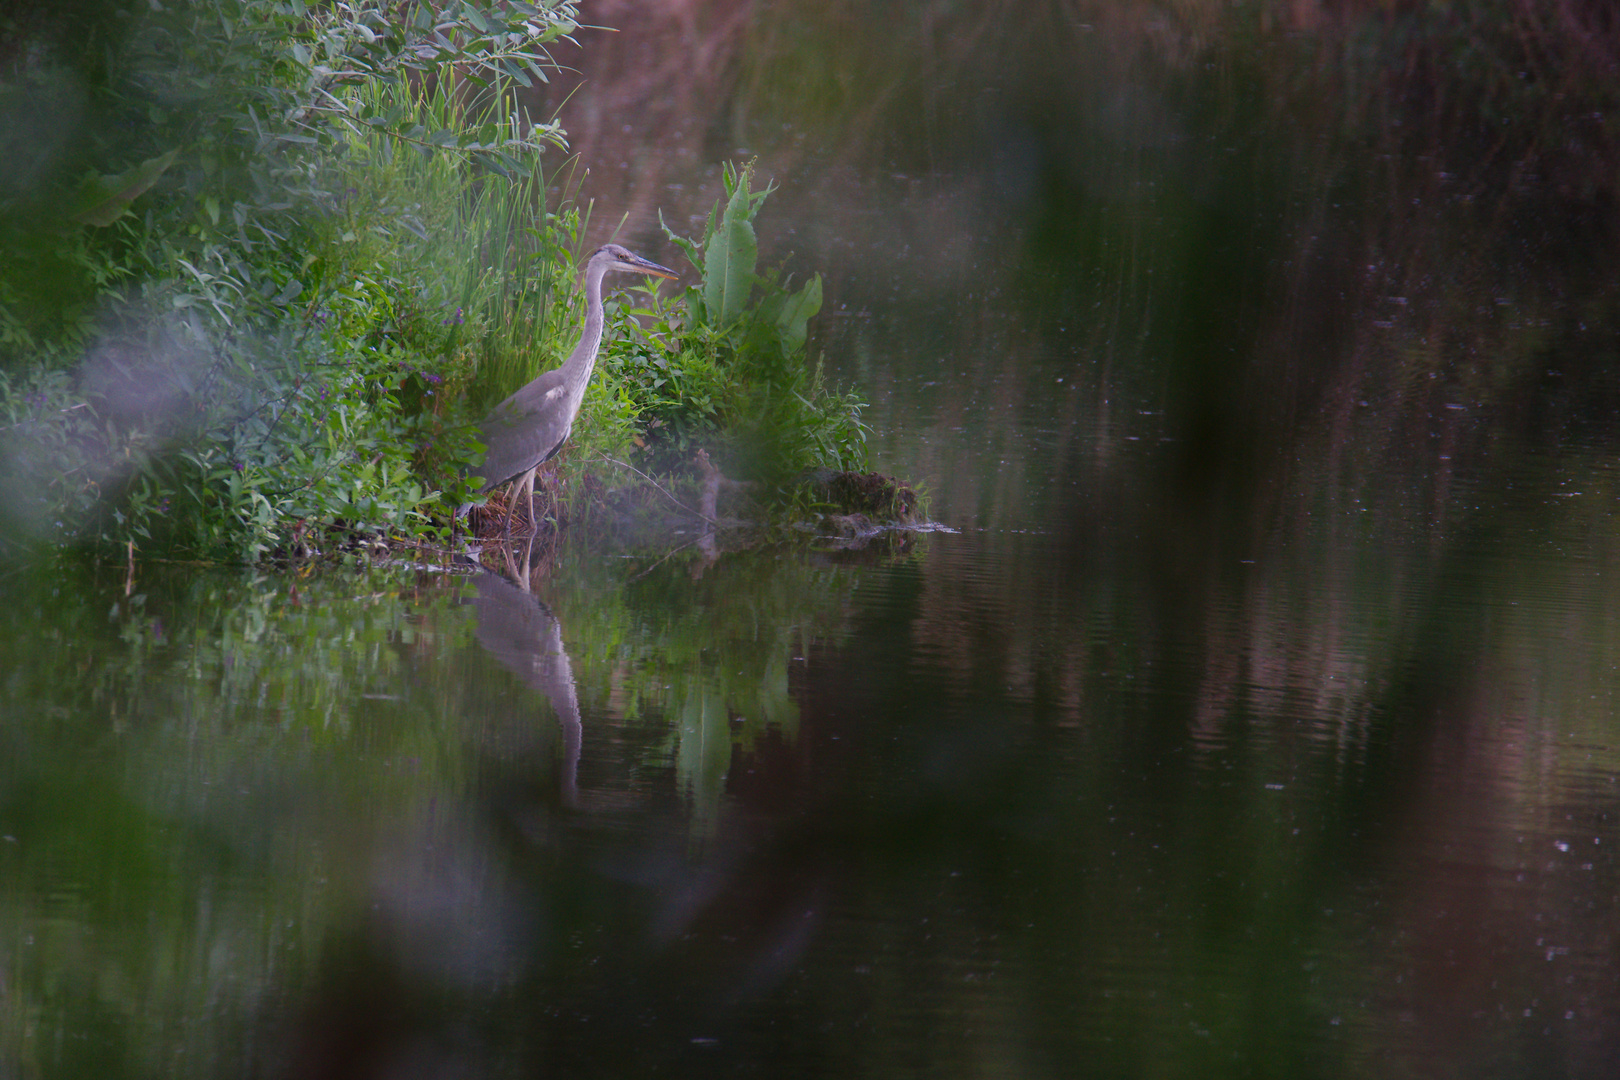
(528, 428)
(523, 634)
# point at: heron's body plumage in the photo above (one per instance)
(528, 428)
(525, 430)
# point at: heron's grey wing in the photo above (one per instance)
(524, 430)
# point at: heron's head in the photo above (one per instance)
(614, 257)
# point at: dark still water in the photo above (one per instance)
(1258, 717)
(991, 803)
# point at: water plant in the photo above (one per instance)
(724, 365)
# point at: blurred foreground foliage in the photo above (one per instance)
(1435, 186)
(260, 252)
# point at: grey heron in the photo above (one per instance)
(529, 427)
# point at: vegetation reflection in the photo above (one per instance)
(265, 739)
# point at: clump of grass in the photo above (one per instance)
(339, 410)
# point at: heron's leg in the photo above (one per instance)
(522, 493)
(528, 502)
(512, 490)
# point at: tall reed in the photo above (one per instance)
(491, 261)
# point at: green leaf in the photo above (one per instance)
(682, 242)
(728, 264)
(102, 200)
(516, 73)
(797, 311)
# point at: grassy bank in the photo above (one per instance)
(304, 250)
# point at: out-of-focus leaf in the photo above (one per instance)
(102, 200)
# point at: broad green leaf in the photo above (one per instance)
(516, 73)
(797, 311)
(728, 263)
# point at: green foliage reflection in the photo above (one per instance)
(203, 774)
(185, 763)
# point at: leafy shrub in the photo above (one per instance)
(260, 353)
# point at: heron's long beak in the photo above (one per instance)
(647, 266)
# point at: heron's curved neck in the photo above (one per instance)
(577, 368)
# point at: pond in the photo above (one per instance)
(1254, 715)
